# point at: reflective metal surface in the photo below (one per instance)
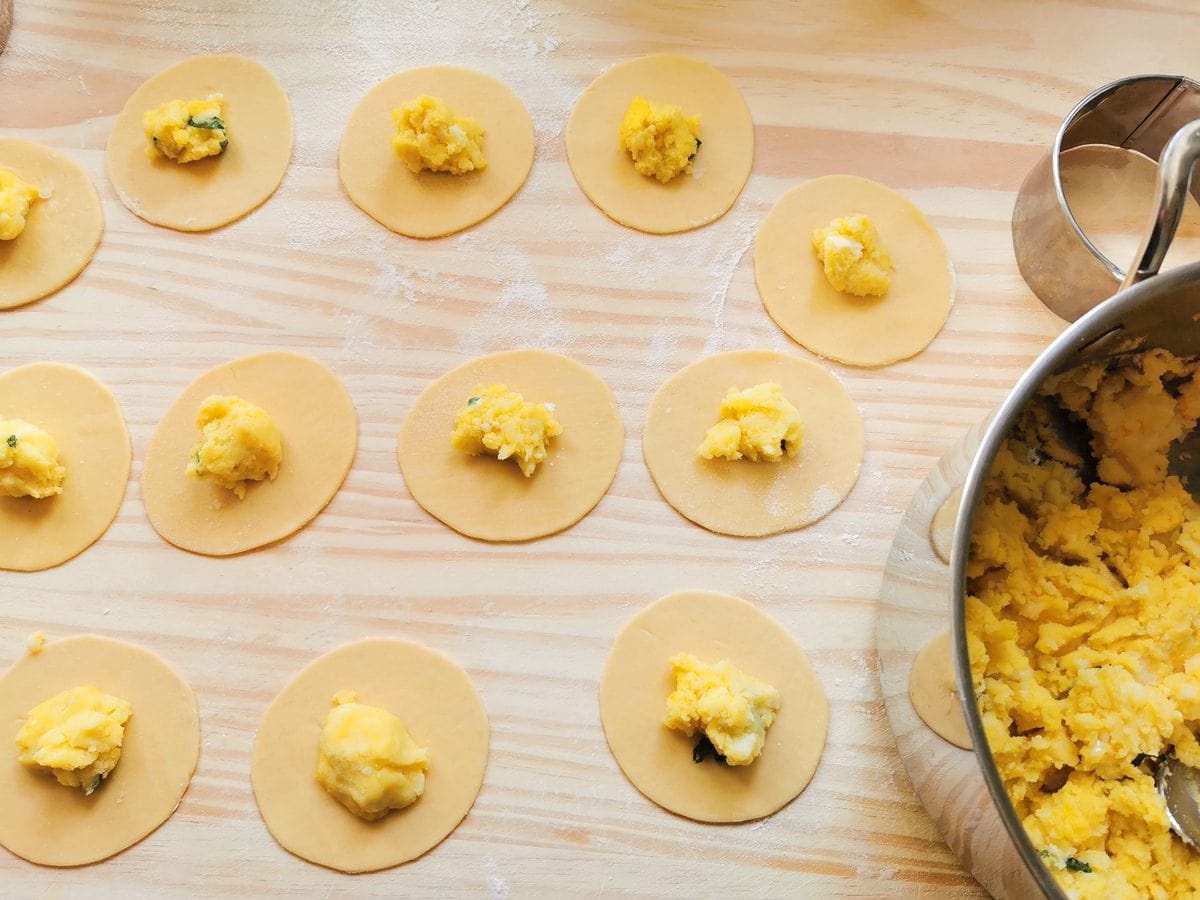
(1058, 261)
(1179, 786)
(1163, 311)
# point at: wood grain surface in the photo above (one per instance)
(6, 14)
(950, 102)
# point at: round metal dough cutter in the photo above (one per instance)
(1061, 265)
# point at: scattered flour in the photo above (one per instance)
(721, 269)
(521, 316)
(497, 884)
(823, 502)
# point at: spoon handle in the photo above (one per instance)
(1174, 178)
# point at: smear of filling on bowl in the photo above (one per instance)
(1083, 599)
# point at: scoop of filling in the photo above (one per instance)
(238, 444)
(29, 464)
(758, 423)
(504, 424)
(16, 197)
(1081, 610)
(855, 261)
(661, 140)
(368, 761)
(76, 736)
(187, 130)
(429, 136)
(730, 709)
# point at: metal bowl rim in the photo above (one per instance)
(1095, 324)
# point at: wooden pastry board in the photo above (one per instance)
(950, 103)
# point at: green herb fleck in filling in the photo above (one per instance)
(704, 749)
(212, 123)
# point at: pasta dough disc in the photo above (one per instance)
(47, 823)
(658, 760)
(436, 701)
(207, 193)
(483, 497)
(433, 204)
(941, 529)
(84, 419)
(61, 232)
(316, 418)
(752, 499)
(860, 331)
(934, 694)
(604, 169)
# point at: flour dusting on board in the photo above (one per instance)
(521, 314)
(497, 884)
(721, 269)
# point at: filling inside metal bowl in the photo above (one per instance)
(1083, 620)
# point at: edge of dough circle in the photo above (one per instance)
(435, 204)
(605, 172)
(740, 497)
(85, 420)
(858, 331)
(933, 691)
(657, 760)
(489, 499)
(62, 230)
(441, 708)
(158, 757)
(212, 192)
(319, 426)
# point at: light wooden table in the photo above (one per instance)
(950, 102)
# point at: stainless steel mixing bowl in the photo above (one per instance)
(1159, 311)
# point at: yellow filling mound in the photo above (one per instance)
(1081, 617)
(731, 708)
(854, 259)
(16, 196)
(368, 761)
(76, 736)
(29, 464)
(238, 443)
(660, 138)
(187, 130)
(758, 423)
(429, 136)
(502, 423)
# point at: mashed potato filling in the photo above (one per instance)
(661, 140)
(76, 736)
(504, 424)
(186, 130)
(731, 709)
(855, 261)
(16, 197)
(368, 761)
(758, 423)
(238, 444)
(29, 465)
(430, 137)
(1081, 620)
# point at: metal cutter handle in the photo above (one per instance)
(1174, 178)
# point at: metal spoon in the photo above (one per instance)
(1179, 786)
